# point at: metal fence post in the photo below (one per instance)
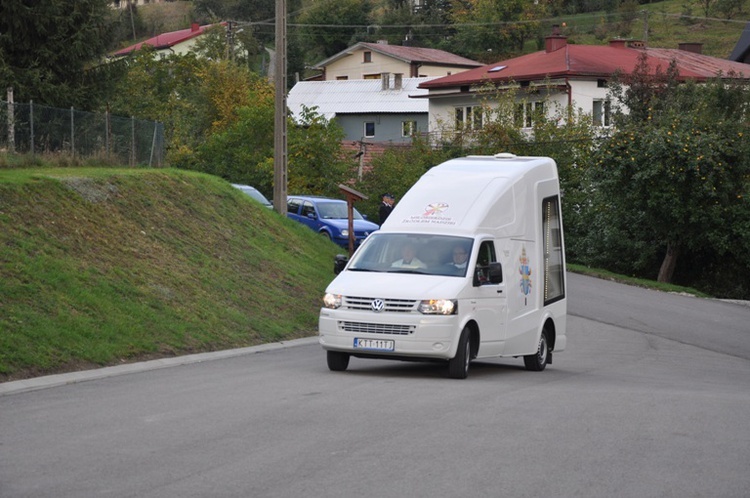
(31, 124)
(132, 140)
(106, 132)
(72, 134)
(153, 145)
(11, 122)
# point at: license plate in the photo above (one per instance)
(374, 344)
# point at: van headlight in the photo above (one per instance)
(332, 301)
(438, 307)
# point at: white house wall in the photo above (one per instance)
(583, 95)
(353, 67)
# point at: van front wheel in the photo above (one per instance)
(338, 362)
(538, 361)
(458, 366)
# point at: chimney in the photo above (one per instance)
(397, 80)
(696, 48)
(385, 81)
(382, 42)
(555, 41)
(617, 43)
(194, 26)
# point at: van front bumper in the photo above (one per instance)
(413, 335)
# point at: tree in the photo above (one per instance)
(395, 171)
(316, 161)
(681, 172)
(243, 152)
(193, 97)
(490, 29)
(48, 46)
(333, 25)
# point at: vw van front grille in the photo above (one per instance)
(391, 305)
(376, 328)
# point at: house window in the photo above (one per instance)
(408, 128)
(601, 113)
(525, 113)
(369, 129)
(554, 268)
(342, 78)
(469, 118)
(375, 76)
(367, 57)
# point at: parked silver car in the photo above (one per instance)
(254, 193)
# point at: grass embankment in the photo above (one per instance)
(104, 266)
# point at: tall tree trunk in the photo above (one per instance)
(666, 272)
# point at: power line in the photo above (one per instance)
(575, 20)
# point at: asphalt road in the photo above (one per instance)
(651, 399)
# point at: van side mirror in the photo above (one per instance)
(496, 273)
(488, 274)
(339, 263)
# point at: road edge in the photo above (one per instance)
(46, 382)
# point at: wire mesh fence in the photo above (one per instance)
(37, 129)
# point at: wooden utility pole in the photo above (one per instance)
(279, 135)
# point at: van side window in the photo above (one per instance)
(554, 270)
(485, 256)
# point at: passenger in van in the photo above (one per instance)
(460, 259)
(408, 258)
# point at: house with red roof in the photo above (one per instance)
(370, 60)
(177, 42)
(562, 75)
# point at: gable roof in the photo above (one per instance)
(561, 60)
(405, 54)
(357, 97)
(167, 40)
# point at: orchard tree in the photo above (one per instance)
(48, 46)
(677, 178)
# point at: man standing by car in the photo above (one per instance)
(386, 207)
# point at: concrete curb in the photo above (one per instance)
(20, 386)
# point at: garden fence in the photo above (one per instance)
(37, 129)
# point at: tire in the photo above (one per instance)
(458, 366)
(538, 361)
(326, 234)
(337, 362)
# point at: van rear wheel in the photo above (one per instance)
(538, 361)
(458, 366)
(338, 362)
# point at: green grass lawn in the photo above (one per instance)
(103, 266)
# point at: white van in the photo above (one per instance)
(470, 264)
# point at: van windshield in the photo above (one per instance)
(413, 253)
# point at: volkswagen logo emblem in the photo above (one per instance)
(377, 305)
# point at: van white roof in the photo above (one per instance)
(473, 194)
